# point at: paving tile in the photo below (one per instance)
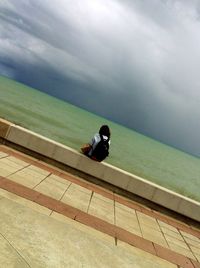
(77, 197)
(103, 198)
(39, 170)
(47, 167)
(190, 237)
(59, 179)
(148, 221)
(130, 214)
(181, 250)
(131, 229)
(198, 257)
(101, 208)
(101, 191)
(179, 246)
(28, 177)
(18, 161)
(153, 235)
(26, 158)
(8, 167)
(9, 256)
(191, 242)
(173, 234)
(82, 227)
(75, 187)
(2, 154)
(135, 240)
(6, 161)
(127, 219)
(96, 223)
(167, 226)
(6, 170)
(146, 218)
(175, 241)
(196, 264)
(127, 202)
(195, 250)
(125, 208)
(53, 186)
(24, 202)
(173, 257)
(147, 260)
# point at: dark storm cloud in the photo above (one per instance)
(139, 56)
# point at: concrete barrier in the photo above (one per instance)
(103, 171)
(4, 127)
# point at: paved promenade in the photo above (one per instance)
(50, 218)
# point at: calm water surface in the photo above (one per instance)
(73, 126)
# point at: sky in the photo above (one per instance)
(135, 62)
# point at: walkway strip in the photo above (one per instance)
(106, 193)
(98, 224)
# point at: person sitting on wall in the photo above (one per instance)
(98, 148)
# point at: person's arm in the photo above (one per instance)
(94, 143)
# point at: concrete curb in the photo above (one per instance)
(103, 171)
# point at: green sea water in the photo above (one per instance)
(72, 126)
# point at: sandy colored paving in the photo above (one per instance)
(26, 180)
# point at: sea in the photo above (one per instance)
(72, 126)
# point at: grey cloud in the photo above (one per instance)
(136, 55)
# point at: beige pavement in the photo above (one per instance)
(33, 234)
(31, 239)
